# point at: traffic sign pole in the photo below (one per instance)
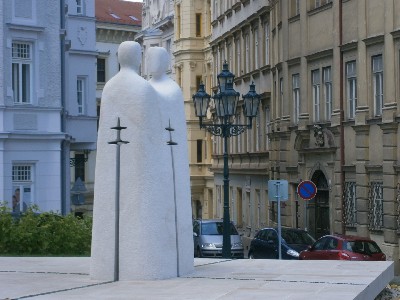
(279, 219)
(307, 191)
(278, 191)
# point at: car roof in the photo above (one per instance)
(349, 237)
(284, 228)
(209, 220)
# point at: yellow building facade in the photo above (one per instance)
(192, 64)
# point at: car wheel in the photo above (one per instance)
(251, 255)
(198, 253)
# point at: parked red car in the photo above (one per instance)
(343, 247)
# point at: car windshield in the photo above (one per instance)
(363, 247)
(216, 228)
(297, 237)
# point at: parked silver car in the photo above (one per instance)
(208, 236)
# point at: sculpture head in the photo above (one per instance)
(158, 61)
(130, 55)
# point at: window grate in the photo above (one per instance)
(375, 215)
(350, 208)
(398, 207)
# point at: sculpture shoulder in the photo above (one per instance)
(167, 86)
(127, 81)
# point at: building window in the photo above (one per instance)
(318, 3)
(247, 53)
(229, 54)
(294, 7)
(377, 73)
(101, 70)
(22, 182)
(22, 72)
(23, 11)
(168, 48)
(239, 137)
(351, 77)
(281, 95)
(80, 7)
(249, 140)
(266, 46)
(198, 25)
(80, 95)
(238, 60)
(256, 49)
(273, 211)
(327, 77)
(315, 90)
(375, 216)
(80, 166)
(296, 97)
(199, 151)
(198, 81)
(350, 207)
(267, 127)
(178, 19)
(258, 132)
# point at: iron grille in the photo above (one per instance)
(350, 210)
(398, 206)
(375, 216)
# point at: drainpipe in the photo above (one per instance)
(341, 90)
(63, 153)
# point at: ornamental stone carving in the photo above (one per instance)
(319, 136)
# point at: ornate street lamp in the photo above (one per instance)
(225, 108)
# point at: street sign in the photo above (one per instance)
(278, 191)
(277, 188)
(306, 190)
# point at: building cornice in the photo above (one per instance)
(377, 39)
(396, 34)
(352, 45)
(320, 54)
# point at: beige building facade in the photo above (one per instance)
(241, 37)
(335, 115)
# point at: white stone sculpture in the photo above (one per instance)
(147, 244)
(171, 102)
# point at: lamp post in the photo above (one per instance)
(225, 101)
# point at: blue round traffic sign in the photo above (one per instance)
(306, 190)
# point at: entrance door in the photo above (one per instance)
(319, 223)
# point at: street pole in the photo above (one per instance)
(226, 241)
(225, 107)
(278, 196)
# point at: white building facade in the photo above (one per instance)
(157, 30)
(38, 104)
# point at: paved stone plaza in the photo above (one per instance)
(68, 278)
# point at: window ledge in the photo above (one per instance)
(25, 27)
(319, 9)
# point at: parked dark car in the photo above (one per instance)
(208, 237)
(265, 243)
(344, 247)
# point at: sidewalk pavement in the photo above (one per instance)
(68, 278)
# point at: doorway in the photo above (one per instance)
(318, 208)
